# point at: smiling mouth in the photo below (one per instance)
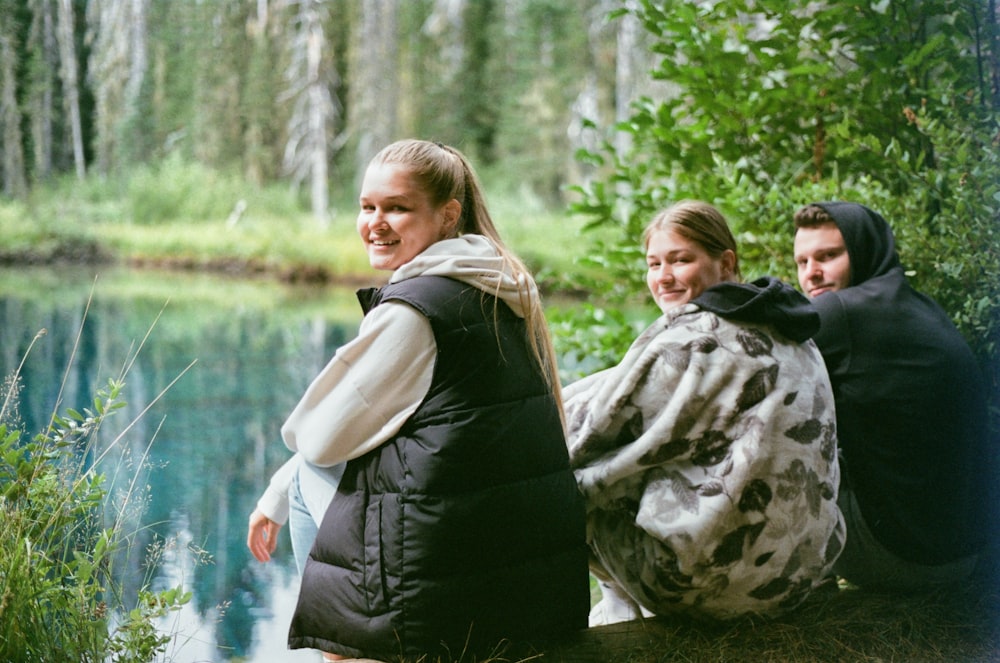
(384, 242)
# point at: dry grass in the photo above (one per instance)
(847, 624)
(838, 624)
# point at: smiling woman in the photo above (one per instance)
(441, 420)
(689, 247)
(397, 219)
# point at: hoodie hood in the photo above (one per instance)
(765, 301)
(475, 260)
(868, 238)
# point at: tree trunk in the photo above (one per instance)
(134, 113)
(69, 71)
(107, 32)
(41, 92)
(15, 182)
(375, 115)
(312, 125)
(319, 114)
(625, 76)
(118, 59)
(477, 105)
(255, 96)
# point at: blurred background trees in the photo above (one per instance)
(603, 109)
(613, 106)
(298, 90)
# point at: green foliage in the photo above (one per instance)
(779, 104)
(950, 241)
(58, 597)
(179, 190)
(591, 338)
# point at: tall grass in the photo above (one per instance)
(66, 534)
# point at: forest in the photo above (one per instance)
(303, 91)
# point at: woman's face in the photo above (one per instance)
(397, 220)
(678, 270)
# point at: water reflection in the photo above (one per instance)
(199, 457)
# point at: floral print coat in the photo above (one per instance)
(708, 460)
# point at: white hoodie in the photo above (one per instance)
(373, 384)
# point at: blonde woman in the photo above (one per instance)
(457, 522)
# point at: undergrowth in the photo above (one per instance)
(65, 537)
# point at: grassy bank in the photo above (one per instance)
(184, 216)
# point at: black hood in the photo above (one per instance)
(911, 406)
(765, 301)
(868, 237)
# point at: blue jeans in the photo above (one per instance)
(302, 528)
(304, 515)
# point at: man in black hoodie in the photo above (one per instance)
(911, 407)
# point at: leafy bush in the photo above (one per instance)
(176, 190)
(779, 104)
(59, 600)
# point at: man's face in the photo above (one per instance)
(822, 260)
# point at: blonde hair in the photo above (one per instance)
(445, 174)
(700, 223)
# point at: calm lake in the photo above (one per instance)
(212, 367)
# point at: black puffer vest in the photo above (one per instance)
(467, 526)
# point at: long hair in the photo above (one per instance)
(700, 223)
(445, 174)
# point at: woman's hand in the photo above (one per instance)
(262, 538)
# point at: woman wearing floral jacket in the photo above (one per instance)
(708, 456)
